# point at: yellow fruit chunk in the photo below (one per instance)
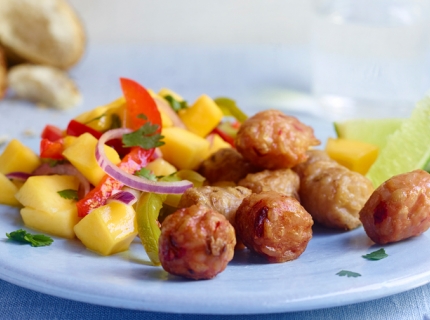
(81, 153)
(18, 157)
(100, 118)
(8, 191)
(161, 167)
(108, 229)
(45, 209)
(183, 149)
(216, 143)
(68, 141)
(166, 122)
(355, 155)
(164, 92)
(202, 117)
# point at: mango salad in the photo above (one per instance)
(108, 176)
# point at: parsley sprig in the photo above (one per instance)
(376, 255)
(175, 104)
(35, 240)
(347, 273)
(69, 194)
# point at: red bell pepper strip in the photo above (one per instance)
(52, 133)
(75, 128)
(138, 101)
(98, 196)
(224, 136)
(52, 149)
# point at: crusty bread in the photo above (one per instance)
(46, 85)
(42, 32)
(3, 71)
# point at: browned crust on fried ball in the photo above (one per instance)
(399, 208)
(226, 165)
(3, 73)
(331, 193)
(284, 181)
(224, 200)
(273, 140)
(196, 243)
(274, 225)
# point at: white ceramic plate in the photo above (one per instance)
(248, 285)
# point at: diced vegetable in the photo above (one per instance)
(161, 167)
(108, 229)
(355, 155)
(147, 210)
(51, 149)
(230, 108)
(52, 133)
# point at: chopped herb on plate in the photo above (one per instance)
(347, 273)
(69, 194)
(35, 240)
(376, 255)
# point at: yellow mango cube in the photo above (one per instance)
(18, 157)
(58, 224)
(44, 209)
(183, 149)
(164, 92)
(8, 191)
(100, 118)
(108, 229)
(81, 153)
(161, 167)
(355, 155)
(68, 141)
(41, 193)
(216, 143)
(201, 117)
(166, 122)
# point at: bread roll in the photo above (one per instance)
(41, 32)
(43, 84)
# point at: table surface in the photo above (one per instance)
(257, 77)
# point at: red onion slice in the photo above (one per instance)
(123, 196)
(130, 180)
(65, 169)
(18, 175)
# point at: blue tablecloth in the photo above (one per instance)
(20, 303)
(235, 72)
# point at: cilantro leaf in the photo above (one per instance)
(376, 255)
(175, 104)
(144, 137)
(69, 194)
(146, 173)
(347, 273)
(35, 240)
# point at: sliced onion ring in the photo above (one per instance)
(130, 180)
(18, 175)
(125, 197)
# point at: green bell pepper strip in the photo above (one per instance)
(147, 210)
(230, 108)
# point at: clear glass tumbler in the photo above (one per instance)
(370, 58)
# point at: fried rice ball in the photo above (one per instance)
(284, 181)
(196, 242)
(225, 165)
(273, 140)
(274, 225)
(224, 200)
(331, 193)
(399, 208)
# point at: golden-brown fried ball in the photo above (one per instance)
(224, 200)
(272, 140)
(399, 208)
(333, 194)
(274, 225)
(284, 181)
(196, 242)
(225, 165)
(314, 155)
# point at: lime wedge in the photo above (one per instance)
(373, 131)
(407, 149)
